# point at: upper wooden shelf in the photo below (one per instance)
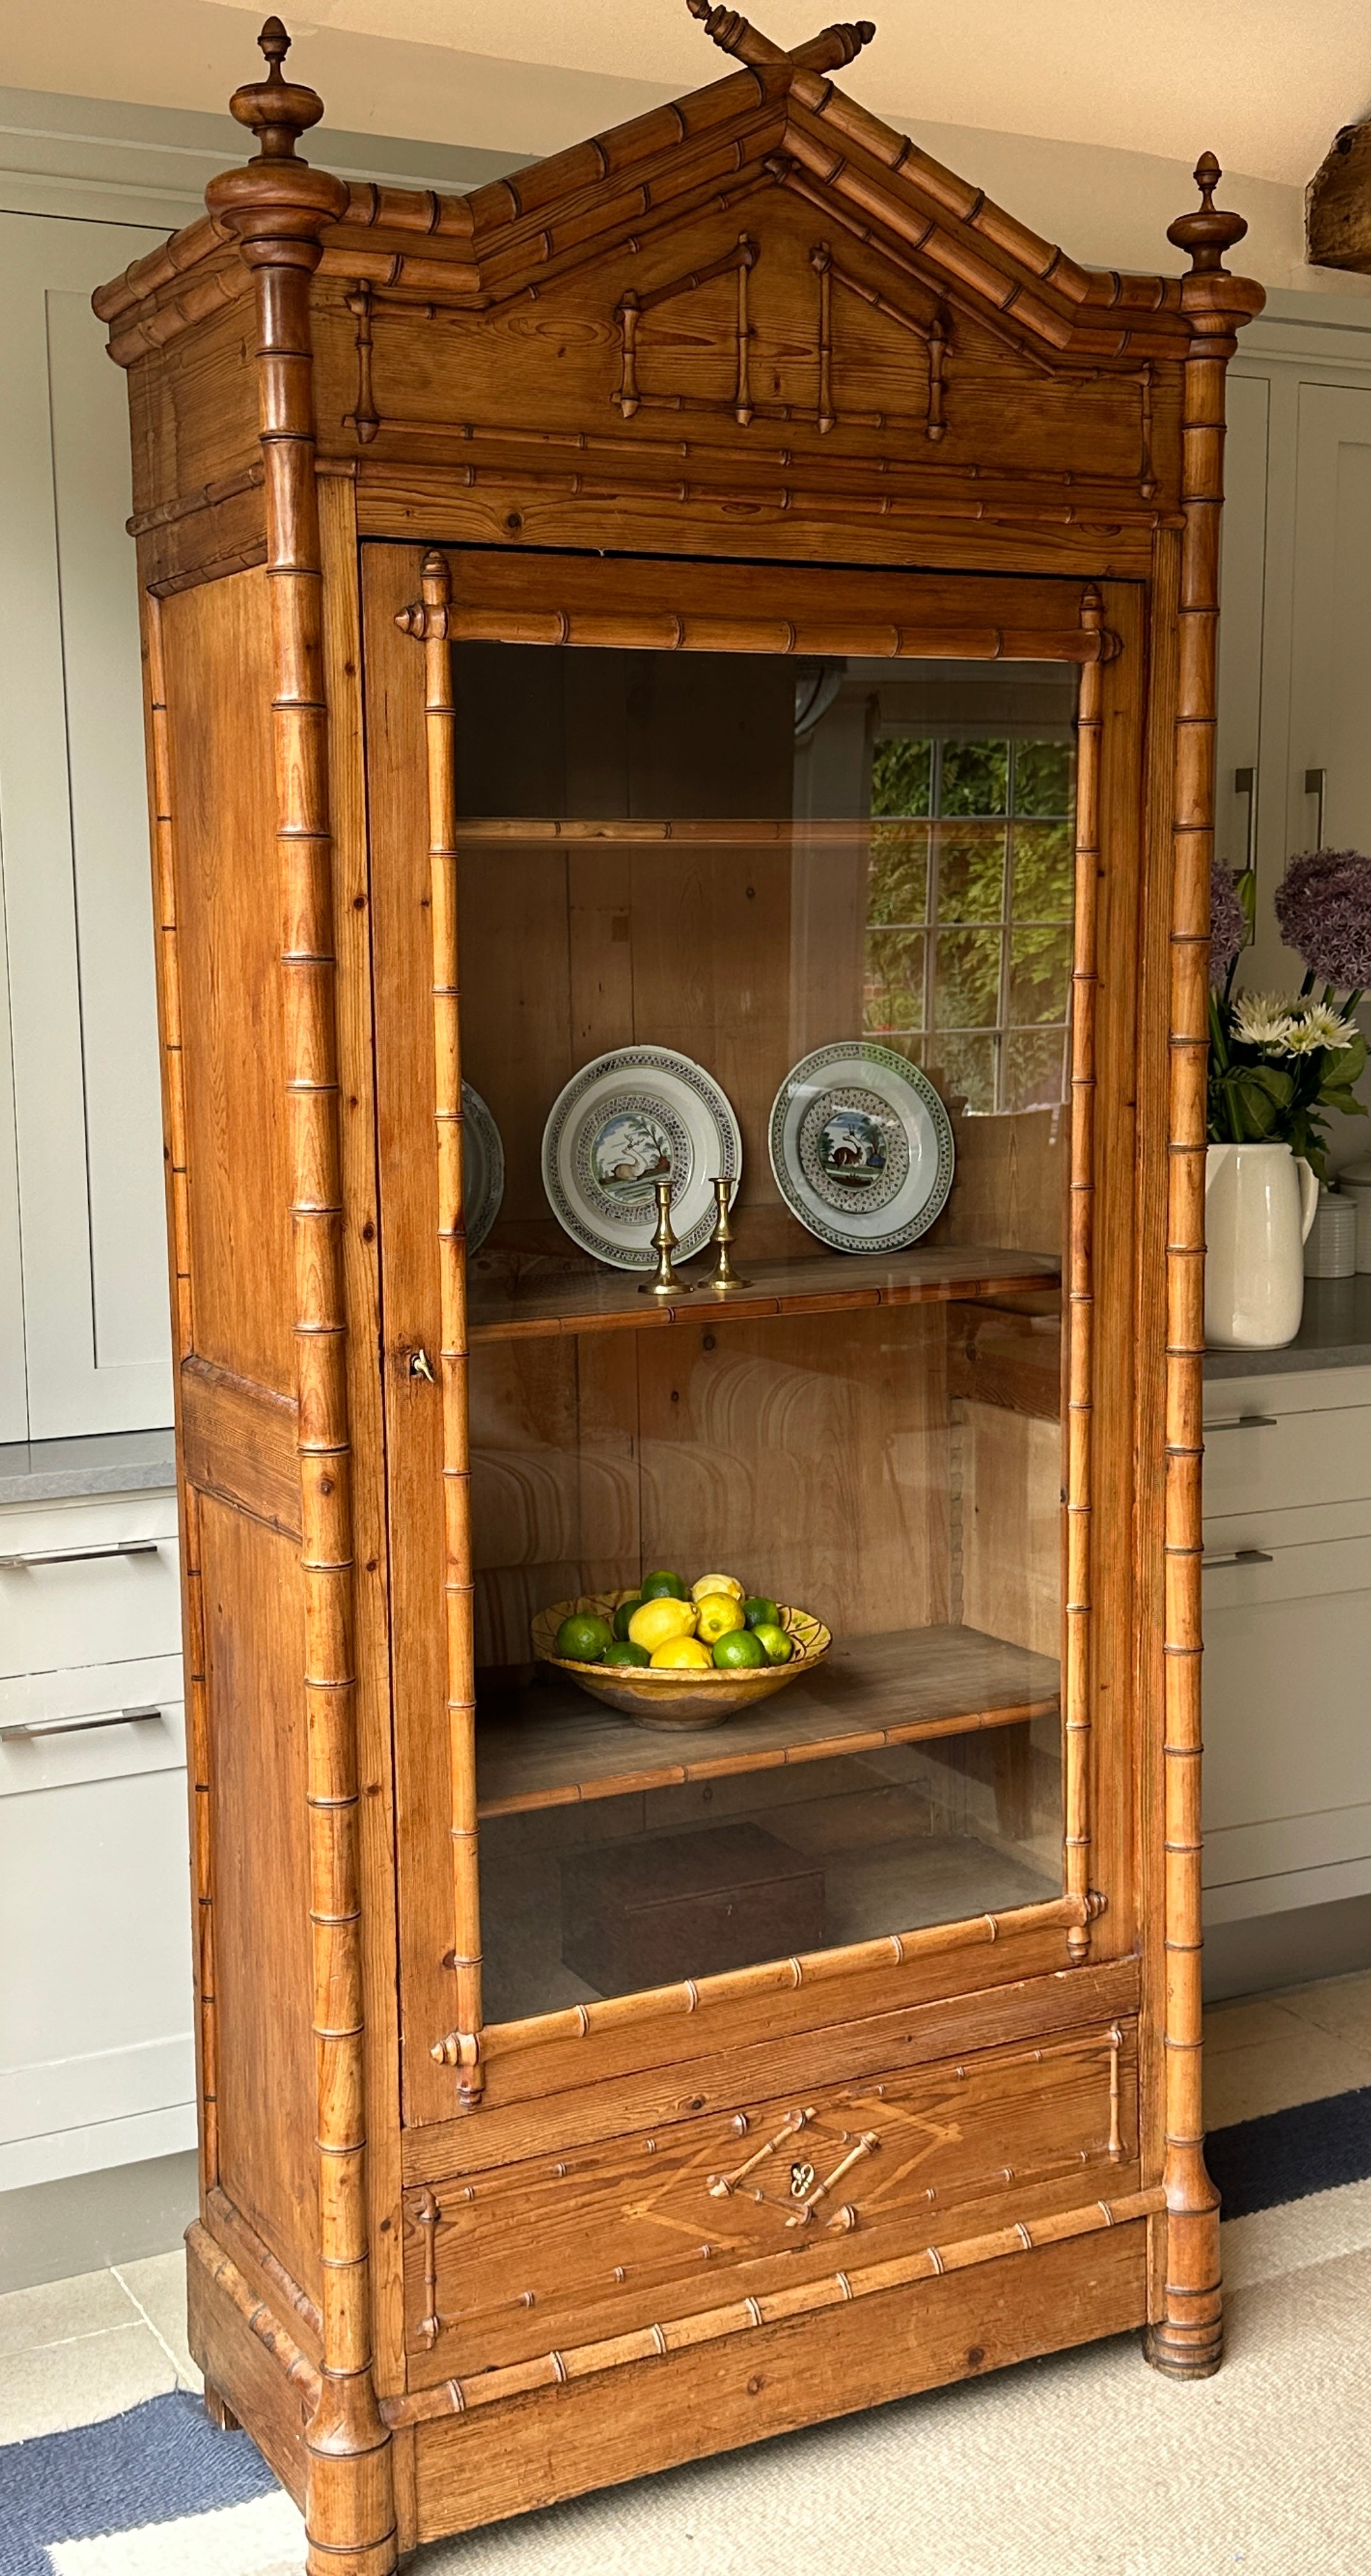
(605, 1301)
(552, 1745)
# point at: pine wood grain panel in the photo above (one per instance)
(553, 1744)
(650, 2226)
(536, 2450)
(239, 1444)
(215, 645)
(1005, 1359)
(244, 2369)
(254, 1641)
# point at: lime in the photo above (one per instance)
(624, 1651)
(663, 1586)
(654, 1622)
(761, 1613)
(582, 1638)
(623, 1615)
(681, 1650)
(776, 1645)
(716, 1583)
(739, 1651)
(719, 1614)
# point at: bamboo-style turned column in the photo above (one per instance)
(278, 207)
(1080, 1341)
(1187, 2338)
(183, 1334)
(431, 623)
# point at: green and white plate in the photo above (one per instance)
(483, 1167)
(623, 1123)
(861, 1147)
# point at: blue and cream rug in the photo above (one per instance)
(1084, 2464)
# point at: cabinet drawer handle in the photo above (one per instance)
(1240, 1556)
(35, 1726)
(1243, 1422)
(77, 1555)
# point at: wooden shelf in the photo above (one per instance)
(608, 1301)
(552, 1745)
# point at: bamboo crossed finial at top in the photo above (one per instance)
(828, 51)
(278, 110)
(1208, 233)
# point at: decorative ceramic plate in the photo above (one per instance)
(861, 1147)
(622, 1123)
(483, 1168)
(676, 1697)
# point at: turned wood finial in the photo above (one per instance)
(277, 110)
(828, 51)
(1208, 233)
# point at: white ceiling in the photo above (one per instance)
(1264, 83)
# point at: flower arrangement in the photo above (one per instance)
(1278, 1062)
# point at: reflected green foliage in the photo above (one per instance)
(894, 998)
(962, 1066)
(1039, 973)
(971, 872)
(1034, 1074)
(1043, 872)
(966, 979)
(975, 778)
(897, 879)
(902, 777)
(1044, 778)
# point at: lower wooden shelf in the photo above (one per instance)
(546, 1298)
(551, 1745)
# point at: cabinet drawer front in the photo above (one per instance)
(102, 1722)
(88, 1586)
(537, 2257)
(1268, 1461)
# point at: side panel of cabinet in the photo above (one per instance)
(93, 1321)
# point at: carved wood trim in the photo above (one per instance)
(933, 334)
(632, 306)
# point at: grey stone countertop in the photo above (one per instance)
(108, 1462)
(1335, 1333)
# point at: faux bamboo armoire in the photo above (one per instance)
(728, 589)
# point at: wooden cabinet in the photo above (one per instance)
(83, 1333)
(726, 594)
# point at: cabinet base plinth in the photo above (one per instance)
(1184, 2352)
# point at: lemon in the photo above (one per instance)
(719, 1614)
(654, 1622)
(681, 1650)
(717, 1583)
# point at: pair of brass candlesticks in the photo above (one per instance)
(666, 1280)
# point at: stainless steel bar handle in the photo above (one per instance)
(1240, 1556)
(35, 1726)
(1243, 1422)
(1316, 785)
(1245, 784)
(78, 1555)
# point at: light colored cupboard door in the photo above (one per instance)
(1331, 637)
(1242, 604)
(84, 1340)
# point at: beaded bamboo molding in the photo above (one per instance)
(1085, 985)
(772, 2308)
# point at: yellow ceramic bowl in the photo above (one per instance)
(680, 1698)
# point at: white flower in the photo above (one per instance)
(1318, 1026)
(1265, 1020)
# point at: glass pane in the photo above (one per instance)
(897, 886)
(1044, 871)
(1035, 1068)
(966, 988)
(894, 982)
(971, 863)
(698, 855)
(1039, 972)
(1043, 777)
(901, 777)
(975, 778)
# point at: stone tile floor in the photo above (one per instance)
(73, 2351)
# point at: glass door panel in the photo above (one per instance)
(743, 860)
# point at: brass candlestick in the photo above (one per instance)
(668, 1281)
(724, 1278)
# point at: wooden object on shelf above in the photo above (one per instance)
(1337, 213)
(708, 384)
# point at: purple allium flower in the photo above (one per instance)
(1323, 906)
(1227, 927)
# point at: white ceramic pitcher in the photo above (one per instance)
(1259, 1207)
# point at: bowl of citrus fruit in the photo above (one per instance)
(673, 1653)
